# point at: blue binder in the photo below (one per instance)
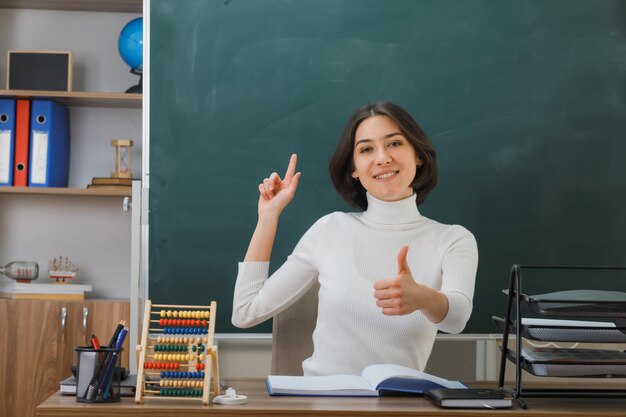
(49, 144)
(7, 140)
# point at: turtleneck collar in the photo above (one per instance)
(391, 212)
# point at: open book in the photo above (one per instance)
(374, 380)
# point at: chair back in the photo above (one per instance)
(292, 333)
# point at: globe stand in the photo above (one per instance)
(139, 87)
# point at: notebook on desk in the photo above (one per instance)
(374, 381)
(468, 398)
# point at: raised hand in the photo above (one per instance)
(402, 295)
(277, 193)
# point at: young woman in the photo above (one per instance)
(389, 277)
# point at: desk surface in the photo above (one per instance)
(261, 404)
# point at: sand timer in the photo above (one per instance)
(123, 158)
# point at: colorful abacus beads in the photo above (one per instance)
(161, 365)
(185, 375)
(173, 392)
(185, 314)
(177, 383)
(174, 340)
(177, 357)
(182, 322)
(171, 348)
(185, 330)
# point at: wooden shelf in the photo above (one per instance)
(81, 98)
(119, 6)
(66, 191)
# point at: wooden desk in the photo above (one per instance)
(261, 404)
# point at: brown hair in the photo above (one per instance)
(341, 164)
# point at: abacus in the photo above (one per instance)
(177, 357)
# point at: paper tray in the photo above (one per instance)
(573, 331)
(574, 370)
(568, 330)
(566, 362)
(578, 303)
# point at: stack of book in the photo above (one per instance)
(17, 290)
(127, 386)
(111, 183)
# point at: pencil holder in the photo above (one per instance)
(98, 378)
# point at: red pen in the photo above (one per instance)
(96, 345)
(94, 342)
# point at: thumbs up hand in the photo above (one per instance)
(403, 266)
(402, 295)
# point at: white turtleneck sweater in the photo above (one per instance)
(348, 253)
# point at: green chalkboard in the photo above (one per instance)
(524, 100)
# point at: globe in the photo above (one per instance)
(130, 44)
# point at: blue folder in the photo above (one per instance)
(7, 140)
(49, 144)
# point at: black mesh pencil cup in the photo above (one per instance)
(98, 377)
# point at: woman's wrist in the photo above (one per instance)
(268, 218)
(260, 248)
(437, 308)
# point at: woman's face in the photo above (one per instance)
(385, 161)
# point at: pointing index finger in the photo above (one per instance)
(291, 169)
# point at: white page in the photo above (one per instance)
(32, 288)
(375, 374)
(566, 323)
(39, 158)
(318, 383)
(478, 403)
(5, 155)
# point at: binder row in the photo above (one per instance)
(34, 143)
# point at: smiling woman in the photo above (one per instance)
(379, 302)
(384, 161)
(389, 126)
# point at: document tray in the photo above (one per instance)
(577, 303)
(574, 331)
(563, 362)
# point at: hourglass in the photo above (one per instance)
(123, 158)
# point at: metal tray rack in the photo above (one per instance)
(594, 304)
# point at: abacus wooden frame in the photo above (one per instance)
(211, 367)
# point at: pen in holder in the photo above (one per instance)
(97, 380)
